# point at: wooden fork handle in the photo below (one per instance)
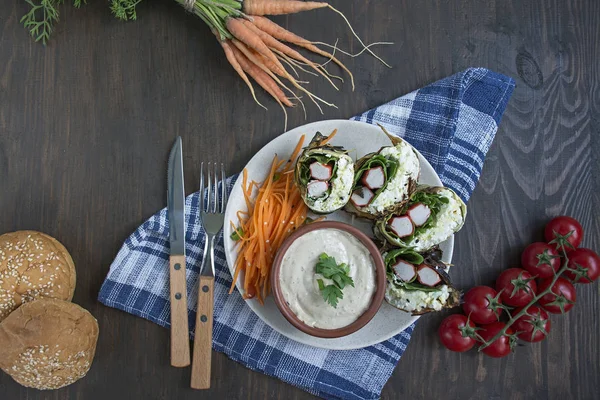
(201, 364)
(180, 340)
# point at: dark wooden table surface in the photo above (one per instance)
(86, 124)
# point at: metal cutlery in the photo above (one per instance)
(180, 344)
(211, 216)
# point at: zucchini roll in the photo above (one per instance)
(431, 216)
(384, 181)
(324, 175)
(418, 283)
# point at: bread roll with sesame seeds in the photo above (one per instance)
(33, 265)
(48, 343)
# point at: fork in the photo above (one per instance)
(211, 217)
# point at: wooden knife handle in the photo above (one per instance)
(203, 337)
(180, 340)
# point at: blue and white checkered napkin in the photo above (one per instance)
(452, 122)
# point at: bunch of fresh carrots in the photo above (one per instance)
(259, 49)
(271, 215)
(256, 47)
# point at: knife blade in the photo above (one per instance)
(180, 345)
(176, 199)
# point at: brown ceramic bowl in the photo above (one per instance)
(377, 297)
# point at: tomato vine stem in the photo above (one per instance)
(536, 298)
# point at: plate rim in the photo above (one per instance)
(447, 257)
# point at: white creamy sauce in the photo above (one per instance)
(341, 187)
(397, 188)
(298, 278)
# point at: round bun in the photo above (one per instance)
(48, 343)
(33, 265)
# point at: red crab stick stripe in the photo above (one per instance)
(361, 197)
(402, 226)
(320, 172)
(373, 178)
(419, 214)
(404, 270)
(428, 276)
(317, 188)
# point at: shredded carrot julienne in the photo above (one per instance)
(271, 217)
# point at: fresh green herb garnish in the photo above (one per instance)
(276, 176)
(330, 293)
(329, 268)
(237, 234)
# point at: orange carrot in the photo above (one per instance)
(237, 67)
(270, 218)
(268, 63)
(278, 32)
(290, 78)
(270, 41)
(328, 138)
(241, 32)
(250, 55)
(279, 7)
(264, 80)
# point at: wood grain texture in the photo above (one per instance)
(86, 124)
(202, 363)
(180, 339)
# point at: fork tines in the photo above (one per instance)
(215, 202)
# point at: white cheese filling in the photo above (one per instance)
(397, 187)
(417, 300)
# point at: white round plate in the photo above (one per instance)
(359, 139)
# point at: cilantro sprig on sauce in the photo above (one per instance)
(338, 273)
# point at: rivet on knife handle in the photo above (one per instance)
(180, 342)
(203, 337)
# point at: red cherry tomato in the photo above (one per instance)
(561, 229)
(482, 305)
(517, 285)
(457, 333)
(500, 347)
(540, 259)
(562, 298)
(585, 264)
(533, 326)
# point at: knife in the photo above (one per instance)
(180, 342)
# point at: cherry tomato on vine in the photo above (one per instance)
(585, 265)
(457, 333)
(563, 229)
(562, 298)
(533, 326)
(500, 347)
(540, 259)
(517, 285)
(482, 304)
